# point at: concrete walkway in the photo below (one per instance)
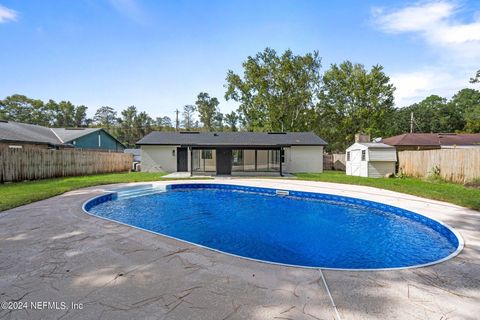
(51, 251)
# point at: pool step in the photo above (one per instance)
(140, 191)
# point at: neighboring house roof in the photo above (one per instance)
(433, 139)
(30, 133)
(232, 139)
(69, 134)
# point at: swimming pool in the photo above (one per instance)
(286, 227)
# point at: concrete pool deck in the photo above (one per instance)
(51, 251)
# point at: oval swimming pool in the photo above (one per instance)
(286, 227)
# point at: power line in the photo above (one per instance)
(177, 124)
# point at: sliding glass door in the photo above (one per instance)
(259, 160)
(204, 160)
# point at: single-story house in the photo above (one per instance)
(370, 159)
(232, 152)
(427, 141)
(21, 135)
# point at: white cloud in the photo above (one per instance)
(456, 44)
(416, 85)
(130, 9)
(7, 14)
(434, 21)
(415, 18)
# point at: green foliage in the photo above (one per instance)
(209, 115)
(164, 124)
(276, 93)
(467, 104)
(105, 117)
(65, 114)
(188, 121)
(472, 120)
(435, 174)
(19, 108)
(353, 100)
(133, 126)
(231, 120)
(476, 79)
(436, 114)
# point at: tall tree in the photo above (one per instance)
(218, 121)
(476, 78)
(276, 92)
(143, 125)
(207, 108)
(65, 114)
(127, 126)
(164, 124)
(188, 113)
(466, 103)
(80, 117)
(353, 100)
(232, 119)
(20, 108)
(433, 114)
(105, 117)
(472, 120)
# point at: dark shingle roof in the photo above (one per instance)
(433, 139)
(70, 134)
(23, 132)
(232, 139)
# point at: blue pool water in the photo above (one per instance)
(303, 229)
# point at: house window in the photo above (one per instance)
(99, 141)
(364, 155)
(206, 154)
(348, 156)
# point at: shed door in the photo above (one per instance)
(356, 162)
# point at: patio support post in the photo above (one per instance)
(191, 161)
(281, 151)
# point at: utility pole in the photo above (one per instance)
(411, 122)
(176, 120)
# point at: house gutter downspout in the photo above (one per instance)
(191, 161)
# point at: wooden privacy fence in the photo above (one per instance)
(335, 161)
(33, 163)
(456, 165)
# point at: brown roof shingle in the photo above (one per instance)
(433, 139)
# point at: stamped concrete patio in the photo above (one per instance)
(52, 251)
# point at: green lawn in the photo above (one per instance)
(437, 190)
(19, 193)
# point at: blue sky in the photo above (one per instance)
(158, 55)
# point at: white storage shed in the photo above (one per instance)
(369, 159)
